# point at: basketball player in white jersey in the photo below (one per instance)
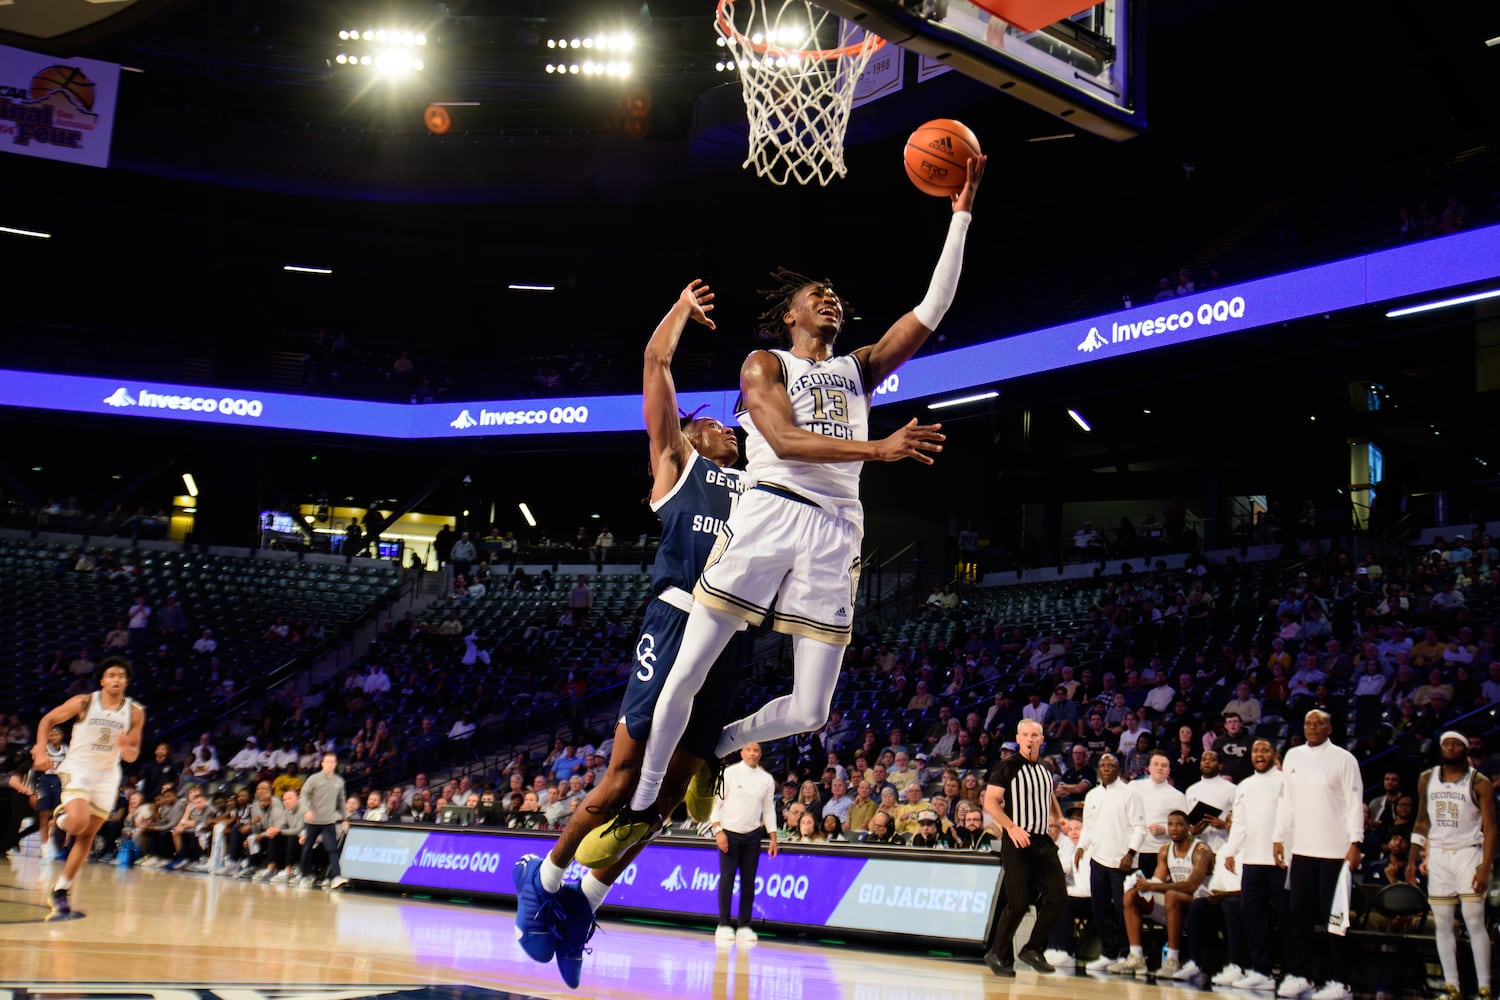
(1453, 843)
(794, 538)
(106, 729)
(1183, 866)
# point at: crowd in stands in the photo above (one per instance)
(1185, 667)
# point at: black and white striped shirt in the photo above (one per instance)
(1028, 792)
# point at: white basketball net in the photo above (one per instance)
(798, 84)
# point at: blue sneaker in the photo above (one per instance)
(575, 930)
(538, 914)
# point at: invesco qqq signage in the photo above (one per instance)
(1411, 270)
(952, 898)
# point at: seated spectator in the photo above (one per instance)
(881, 831)
(833, 829)
(808, 831)
(929, 833)
(969, 833)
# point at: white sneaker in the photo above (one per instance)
(1058, 958)
(1100, 964)
(746, 936)
(1293, 986)
(723, 933)
(264, 875)
(1169, 968)
(1253, 980)
(1188, 973)
(280, 878)
(1130, 965)
(1228, 976)
(338, 883)
(306, 882)
(1333, 990)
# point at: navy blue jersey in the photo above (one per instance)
(691, 516)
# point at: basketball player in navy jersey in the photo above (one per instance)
(693, 491)
(794, 539)
(106, 729)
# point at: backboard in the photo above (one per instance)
(1086, 69)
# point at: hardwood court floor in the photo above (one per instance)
(145, 930)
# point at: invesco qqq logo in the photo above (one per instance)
(228, 405)
(1206, 314)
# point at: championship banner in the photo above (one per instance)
(57, 109)
(942, 894)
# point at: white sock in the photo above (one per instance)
(57, 821)
(1479, 939)
(594, 891)
(1137, 949)
(63, 882)
(551, 876)
(815, 673)
(1172, 954)
(704, 638)
(1443, 915)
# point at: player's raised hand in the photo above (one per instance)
(912, 441)
(963, 201)
(699, 299)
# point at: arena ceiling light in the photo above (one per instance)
(526, 513)
(387, 51)
(593, 55)
(962, 400)
(190, 484)
(306, 269)
(1078, 419)
(532, 288)
(1460, 300)
(25, 232)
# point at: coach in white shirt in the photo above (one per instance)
(1320, 825)
(1105, 841)
(743, 813)
(1249, 851)
(1152, 799)
(1216, 790)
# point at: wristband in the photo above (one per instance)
(1419, 839)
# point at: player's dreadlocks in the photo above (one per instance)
(768, 325)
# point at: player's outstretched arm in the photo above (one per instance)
(67, 711)
(658, 390)
(907, 335)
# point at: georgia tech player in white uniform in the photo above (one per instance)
(794, 537)
(1454, 836)
(106, 729)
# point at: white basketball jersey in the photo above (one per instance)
(1181, 869)
(1453, 818)
(829, 398)
(95, 744)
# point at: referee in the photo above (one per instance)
(1019, 797)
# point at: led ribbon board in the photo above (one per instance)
(1415, 269)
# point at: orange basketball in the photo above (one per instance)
(937, 154)
(437, 119)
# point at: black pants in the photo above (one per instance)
(326, 834)
(1064, 936)
(1263, 901)
(1032, 874)
(742, 858)
(1107, 896)
(1310, 896)
(1209, 921)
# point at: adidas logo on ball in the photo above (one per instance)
(943, 144)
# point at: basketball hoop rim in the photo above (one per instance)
(727, 28)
